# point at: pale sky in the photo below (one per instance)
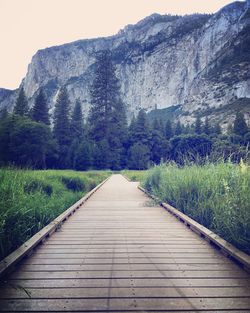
(29, 25)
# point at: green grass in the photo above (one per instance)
(215, 195)
(134, 175)
(29, 200)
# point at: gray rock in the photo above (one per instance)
(197, 61)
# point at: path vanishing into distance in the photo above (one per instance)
(122, 253)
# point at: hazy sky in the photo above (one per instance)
(29, 25)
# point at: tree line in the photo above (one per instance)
(104, 140)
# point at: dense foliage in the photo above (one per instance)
(105, 141)
(31, 199)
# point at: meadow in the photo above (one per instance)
(134, 175)
(215, 195)
(29, 200)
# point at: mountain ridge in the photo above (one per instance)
(161, 61)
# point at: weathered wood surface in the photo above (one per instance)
(242, 258)
(120, 252)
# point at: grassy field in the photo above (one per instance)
(134, 175)
(29, 200)
(215, 195)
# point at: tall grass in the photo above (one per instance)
(215, 195)
(29, 200)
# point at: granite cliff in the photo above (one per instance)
(199, 63)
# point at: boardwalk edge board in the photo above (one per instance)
(227, 249)
(7, 265)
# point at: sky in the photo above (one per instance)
(29, 25)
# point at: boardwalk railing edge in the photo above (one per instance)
(7, 265)
(227, 249)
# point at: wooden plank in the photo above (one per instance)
(123, 292)
(182, 304)
(129, 266)
(232, 251)
(90, 255)
(108, 258)
(126, 282)
(125, 304)
(125, 274)
(25, 305)
(7, 264)
(116, 261)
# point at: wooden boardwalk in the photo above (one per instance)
(121, 253)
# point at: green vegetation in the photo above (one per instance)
(103, 140)
(134, 175)
(215, 195)
(32, 199)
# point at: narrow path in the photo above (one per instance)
(120, 252)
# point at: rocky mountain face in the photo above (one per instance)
(197, 63)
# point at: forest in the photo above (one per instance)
(31, 137)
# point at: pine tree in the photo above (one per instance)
(3, 113)
(76, 123)
(230, 129)
(107, 116)
(198, 126)
(21, 106)
(62, 127)
(168, 130)
(40, 111)
(178, 129)
(240, 126)
(83, 156)
(207, 128)
(217, 129)
(159, 143)
(142, 132)
(138, 156)
(156, 124)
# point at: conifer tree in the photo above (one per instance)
(158, 143)
(240, 126)
(142, 132)
(156, 124)
(230, 129)
(62, 127)
(107, 116)
(76, 123)
(178, 129)
(83, 156)
(198, 126)
(40, 111)
(168, 130)
(206, 128)
(21, 106)
(138, 156)
(3, 113)
(217, 129)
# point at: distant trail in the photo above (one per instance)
(119, 252)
